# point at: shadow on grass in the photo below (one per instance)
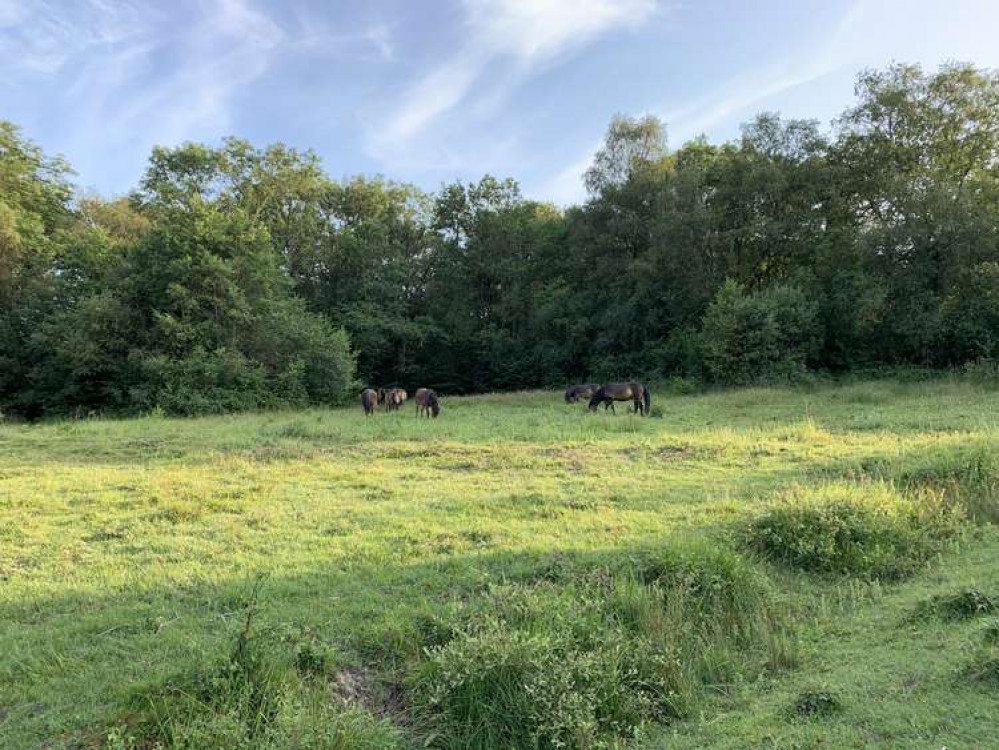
(654, 626)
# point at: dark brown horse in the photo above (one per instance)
(575, 392)
(637, 393)
(369, 400)
(426, 400)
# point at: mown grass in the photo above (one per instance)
(403, 578)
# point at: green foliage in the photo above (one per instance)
(753, 261)
(969, 479)
(870, 531)
(764, 337)
(595, 656)
(251, 700)
(959, 605)
(222, 332)
(983, 668)
(971, 316)
(817, 703)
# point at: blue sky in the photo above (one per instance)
(427, 92)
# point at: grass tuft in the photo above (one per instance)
(817, 703)
(983, 668)
(867, 530)
(960, 605)
(596, 656)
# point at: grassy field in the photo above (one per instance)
(318, 579)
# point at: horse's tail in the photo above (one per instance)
(647, 397)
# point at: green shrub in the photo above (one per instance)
(762, 337)
(866, 530)
(594, 655)
(816, 703)
(509, 684)
(201, 383)
(984, 668)
(971, 318)
(961, 605)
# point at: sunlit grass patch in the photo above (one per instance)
(864, 529)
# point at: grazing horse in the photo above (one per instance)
(369, 400)
(637, 393)
(575, 392)
(394, 398)
(426, 400)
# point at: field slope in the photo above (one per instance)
(134, 553)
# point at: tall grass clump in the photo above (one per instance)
(966, 475)
(960, 605)
(969, 478)
(586, 661)
(983, 668)
(251, 698)
(868, 530)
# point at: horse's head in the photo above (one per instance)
(435, 407)
(570, 395)
(597, 398)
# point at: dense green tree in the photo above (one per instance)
(767, 336)
(918, 157)
(34, 207)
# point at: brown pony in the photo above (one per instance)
(426, 400)
(394, 398)
(369, 400)
(575, 392)
(637, 393)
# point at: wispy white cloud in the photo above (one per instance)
(230, 45)
(526, 35)
(565, 187)
(136, 75)
(380, 38)
(41, 37)
(734, 97)
(867, 34)
(737, 97)
(316, 30)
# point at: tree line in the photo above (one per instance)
(238, 277)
